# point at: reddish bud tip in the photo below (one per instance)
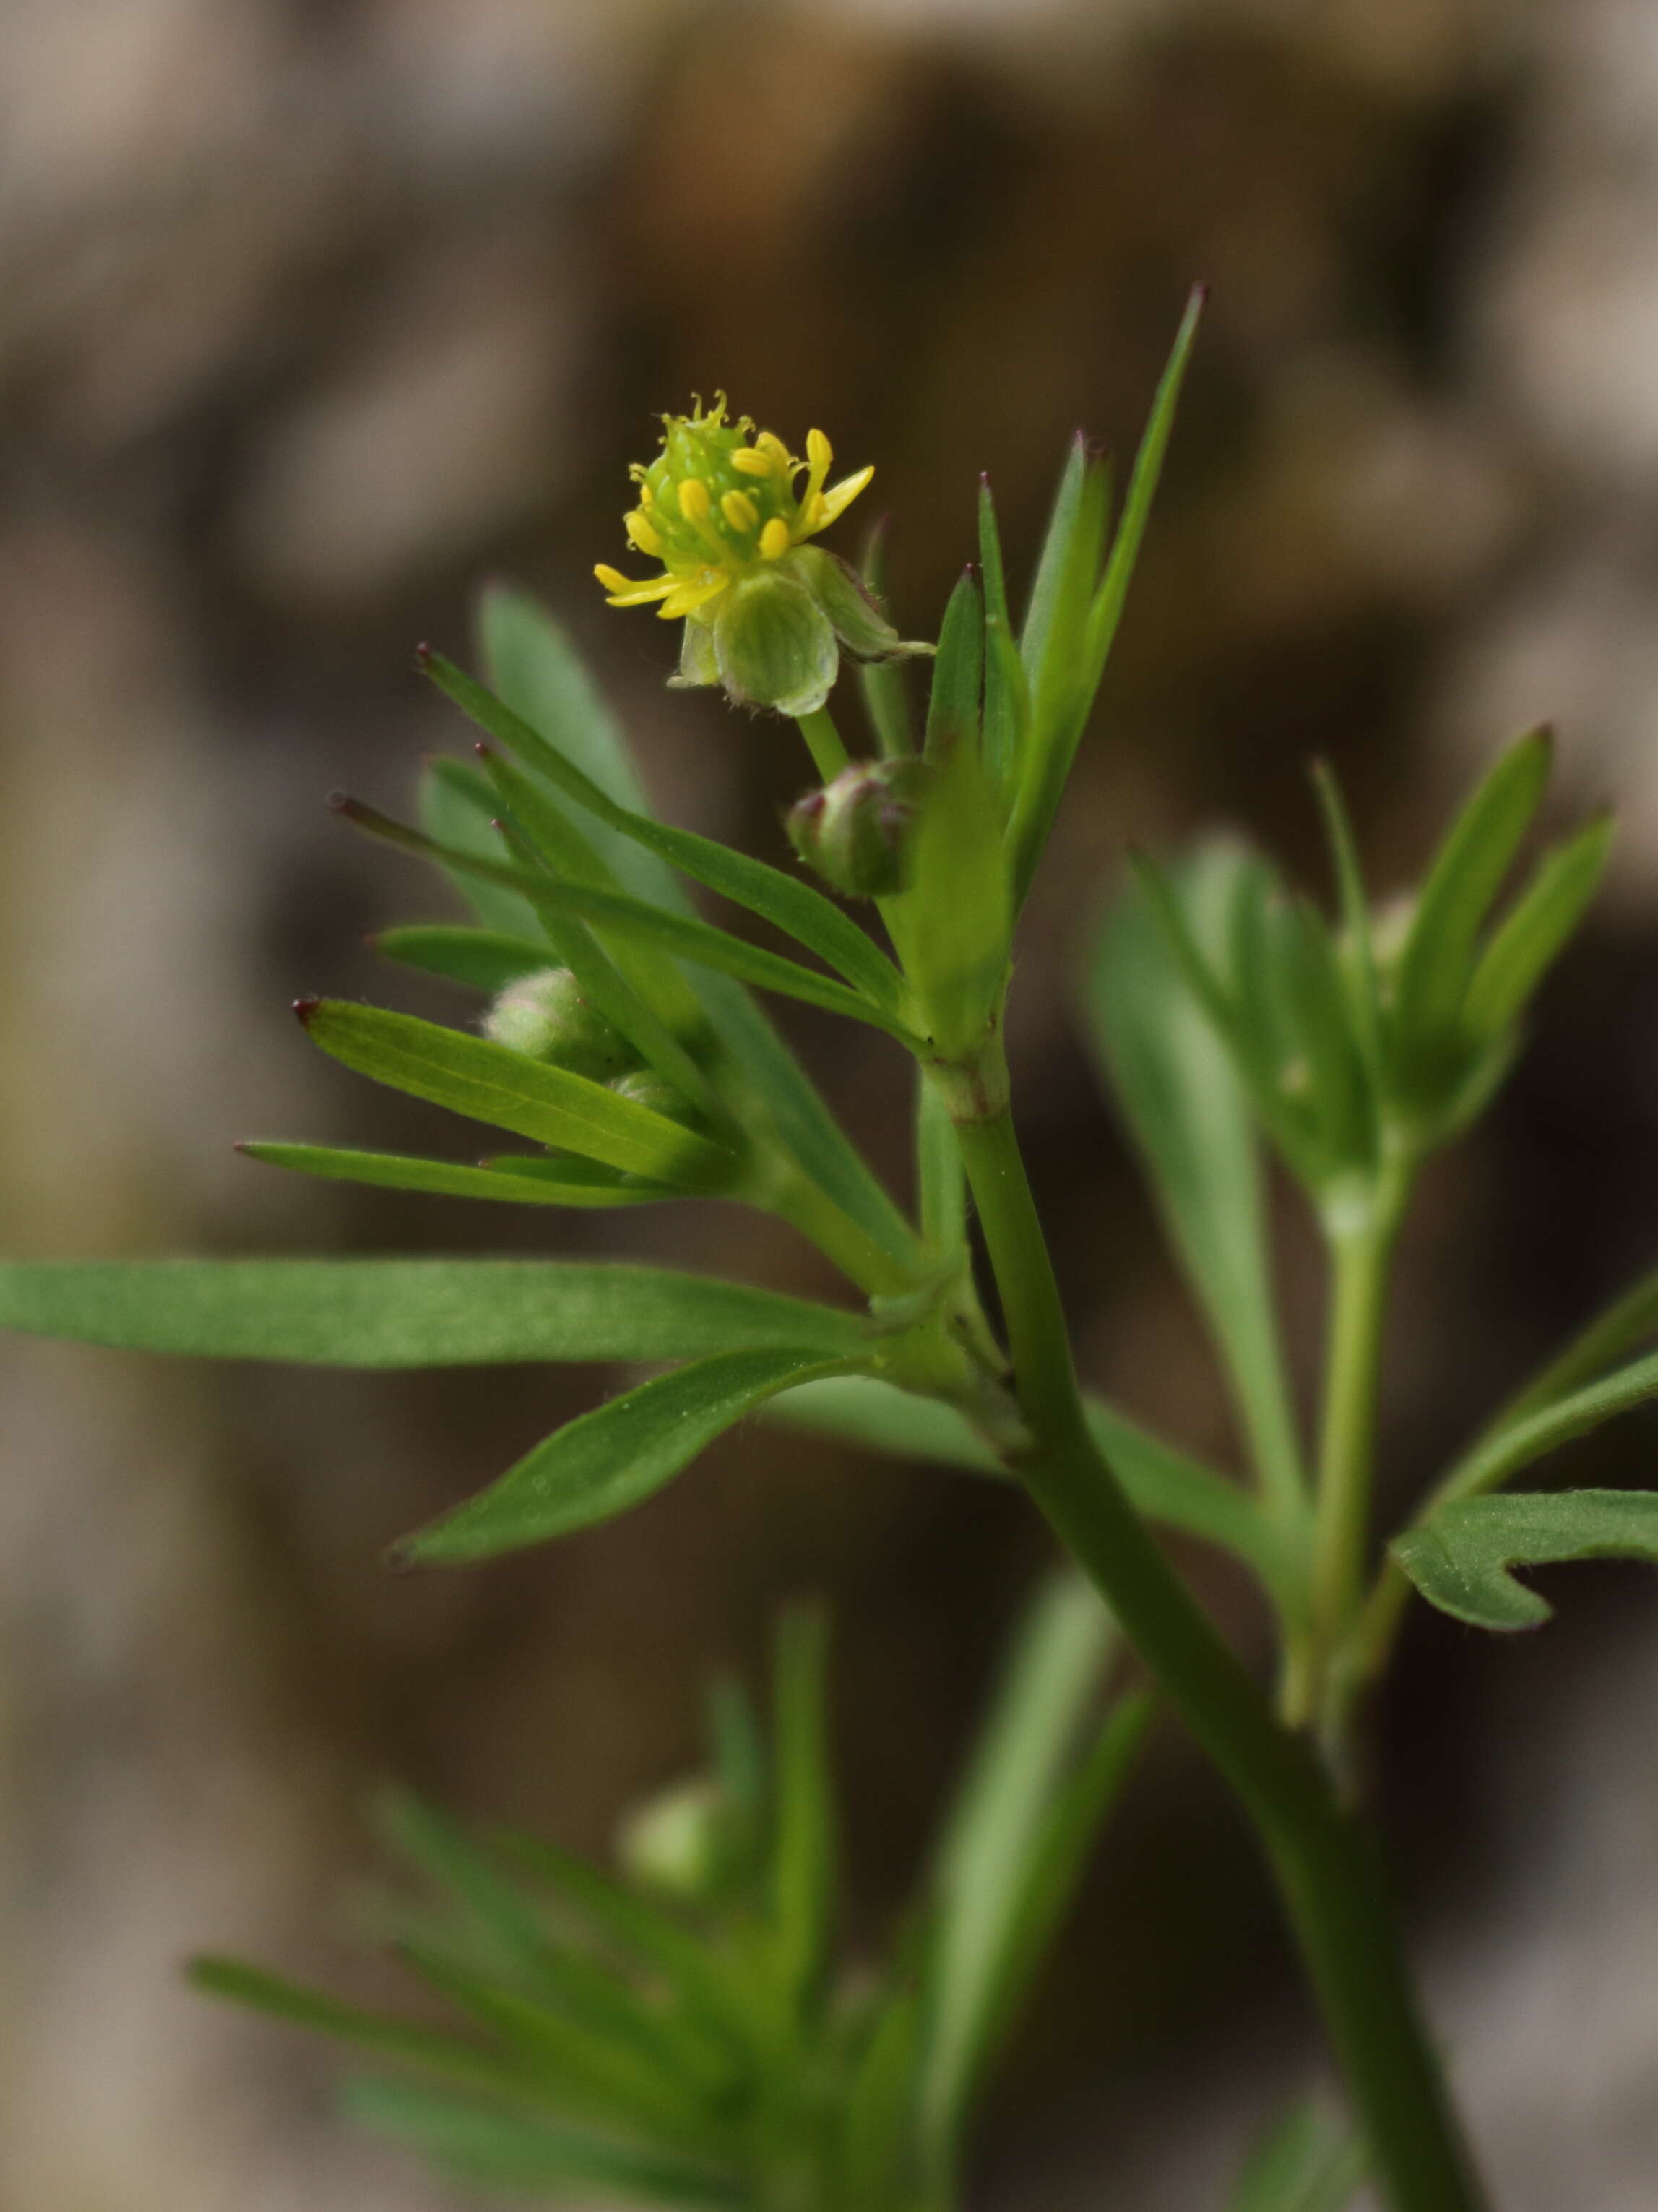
(422, 654)
(339, 802)
(1201, 292)
(304, 1008)
(482, 750)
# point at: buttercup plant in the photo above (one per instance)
(1228, 1014)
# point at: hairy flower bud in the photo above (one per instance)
(855, 831)
(545, 1017)
(678, 1842)
(766, 614)
(646, 1088)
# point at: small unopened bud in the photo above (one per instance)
(856, 830)
(646, 1088)
(679, 1843)
(545, 1017)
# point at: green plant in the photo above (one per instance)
(686, 2035)
(1226, 1011)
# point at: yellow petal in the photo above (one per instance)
(626, 592)
(739, 510)
(839, 496)
(768, 442)
(774, 539)
(685, 599)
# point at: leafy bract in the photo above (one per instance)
(490, 1083)
(409, 1313)
(1177, 1084)
(1461, 1557)
(612, 1458)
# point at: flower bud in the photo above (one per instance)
(856, 830)
(545, 1017)
(679, 1843)
(646, 1088)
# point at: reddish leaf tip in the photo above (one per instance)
(422, 654)
(306, 1008)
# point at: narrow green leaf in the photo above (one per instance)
(1631, 1317)
(490, 1083)
(1436, 963)
(1176, 1084)
(789, 904)
(480, 2144)
(1536, 931)
(1025, 1750)
(1001, 703)
(409, 1313)
(456, 2056)
(878, 2114)
(535, 670)
(1070, 547)
(612, 1458)
(803, 1843)
(1304, 2163)
(956, 918)
(486, 958)
(882, 683)
(1461, 1557)
(952, 714)
(1363, 989)
(1501, 1454)
(534, 1182)
(455, 807)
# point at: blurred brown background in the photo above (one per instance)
(316, 310)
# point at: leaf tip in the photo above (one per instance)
(423, 657)
(306, 1010)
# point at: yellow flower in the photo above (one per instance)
(725, 511)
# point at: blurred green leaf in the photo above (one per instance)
(940, 1178)
(1003, 673)
(991, 1843)
(877, 2119)
(803, 1841)
(409, 1313)
(536, 1182)
(611, 1459)
(456, 807)
(1175, 1080)
(480, 2144)
(886, 697)
(953, 712)
(1505, 1449)
(1461, 1557)
(486, 958)
(1632, 1317)
(1358, 951)
(460, 2056)
(1436, 963)
(490, 1083)
(1304, 2163)
(955, 919)
(1536, 931)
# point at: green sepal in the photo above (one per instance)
(851, 606)
(774, 645)
(699, 664)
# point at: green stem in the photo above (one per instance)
(824, 742)
(1326, 1864)
(1361, 1257)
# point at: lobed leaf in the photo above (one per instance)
(1462, 1558)
(409, 1313)
(611, 1459)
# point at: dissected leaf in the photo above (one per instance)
(610, 1459)
(1461, 1558)
(407, 1313)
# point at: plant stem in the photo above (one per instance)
(1361, 1257)
(1326, 1864)
(824, 742)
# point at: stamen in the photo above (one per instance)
(753, 461)
(739, 510)
(693, 501)
(775, 540)
(639, 533)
